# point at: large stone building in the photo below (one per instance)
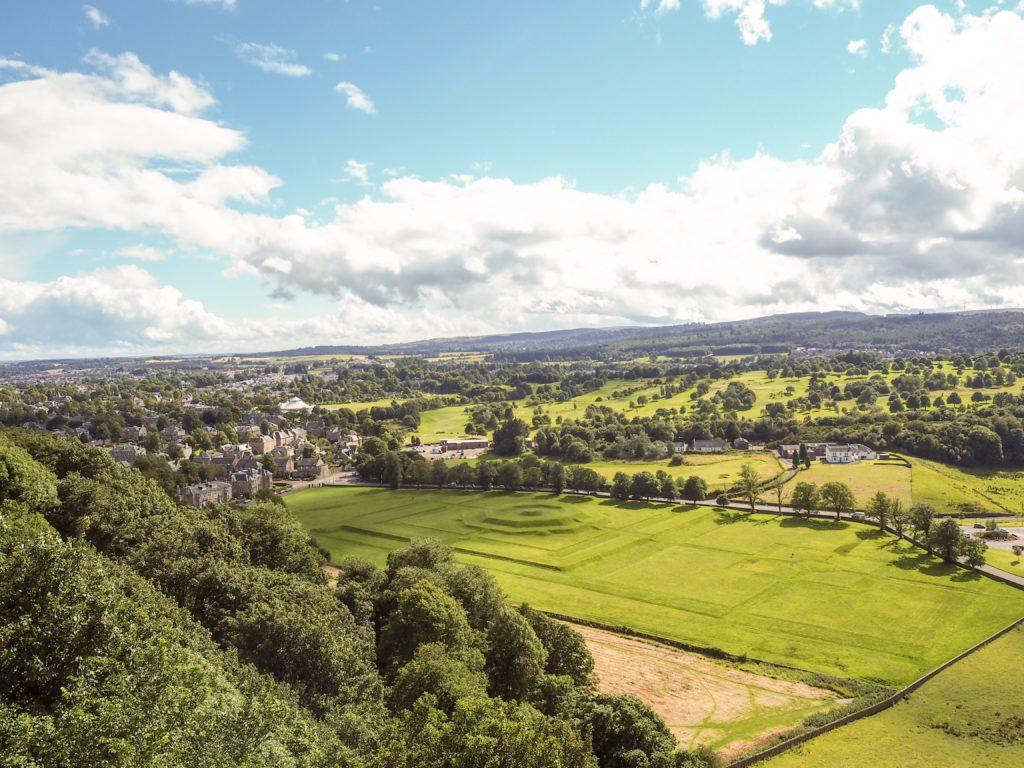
(203, 494)
(126, 454)
(249, 482)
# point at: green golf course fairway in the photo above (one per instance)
(969, 715)
(835, 598)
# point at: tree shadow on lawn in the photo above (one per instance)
(730, 516)
(635, 504)
(930, 565)
(869, 534)
(814, 523)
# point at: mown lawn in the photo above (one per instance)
(443, 423)
(838, 598)
(970, 715)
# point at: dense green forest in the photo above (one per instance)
(136, 632)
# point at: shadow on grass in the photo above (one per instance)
(814, 524)
(685, 507)
(631, 504)
(730, 516)
(870, 534)
(930, 565)
(639, 504)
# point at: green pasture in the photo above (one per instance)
(947, 488)
(450, 422)
(837, 598)
(969, 715)
(718, 470)
(864, 478)
(443, 423)
(359, 405)
(1005, 560)
(575, 407)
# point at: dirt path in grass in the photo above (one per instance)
(701, 700)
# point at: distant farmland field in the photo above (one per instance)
(718, 470)
(970, 715)
(948, 487)
(864, 478)
(837, 598)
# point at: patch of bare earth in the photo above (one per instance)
(701, 700)
(331, 572)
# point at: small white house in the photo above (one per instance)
(847, 454)
(840, 454)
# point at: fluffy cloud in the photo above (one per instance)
(857, 48)
(126, 310)
(750, 15)
(95, 16)
(358, 172)
(123, 308)
(355, 98)
(271, 57)
(916, 204)
(119, 148)
(927, 203)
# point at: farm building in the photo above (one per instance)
(847, 454)
(710, 446)
(464, 445)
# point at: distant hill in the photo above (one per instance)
(825, 331)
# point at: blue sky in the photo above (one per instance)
(619, 100)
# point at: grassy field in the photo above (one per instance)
(443, 423)
(719, 470)
(358, 406)
(449, 422)
(837, 598)
(947, 487)
(864, 478)
(1005, 560)
(970, 715)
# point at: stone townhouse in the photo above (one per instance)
(204, 494)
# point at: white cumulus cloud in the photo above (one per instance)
(355, 98)
(857, 48)
(918, 203)
(357, 171)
